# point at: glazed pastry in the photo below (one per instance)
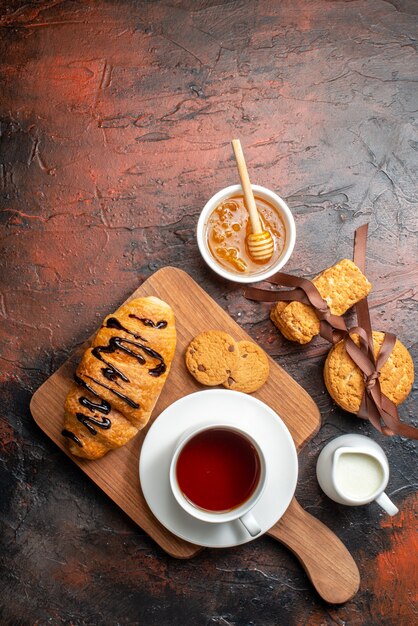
(120, 377)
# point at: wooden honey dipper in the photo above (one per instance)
(260, 242)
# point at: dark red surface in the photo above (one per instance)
(116, 119)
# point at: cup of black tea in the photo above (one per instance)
(218, 474)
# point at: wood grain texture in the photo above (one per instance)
(117, 472)
(326, 560)
(115, 124)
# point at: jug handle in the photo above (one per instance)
(386, 503)
(327, 562)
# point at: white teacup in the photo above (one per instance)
(242, 512)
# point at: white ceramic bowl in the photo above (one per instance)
(285, 214)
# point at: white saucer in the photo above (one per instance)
(231, 408)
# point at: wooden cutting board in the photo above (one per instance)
(117, 472)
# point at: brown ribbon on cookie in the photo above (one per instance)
(375, 406)
(332, 327)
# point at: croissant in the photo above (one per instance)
(120, 377)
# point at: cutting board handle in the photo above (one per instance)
(329, 565)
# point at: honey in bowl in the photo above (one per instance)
(228, 227)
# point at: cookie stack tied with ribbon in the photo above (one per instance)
(340, 286)
(352, 377)
(367, 373)
(370, 373)
(314, 308)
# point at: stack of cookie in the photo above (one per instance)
(341, 286)
(215, 358)
(345, 381)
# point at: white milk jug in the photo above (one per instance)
(353, 470)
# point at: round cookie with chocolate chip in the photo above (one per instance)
(345, 383)
(211, 356)
(252, 368)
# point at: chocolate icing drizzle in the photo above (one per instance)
(82, 383)
(147, 322)
(87, 421)
(112, 373)
(102, 406)
(118, 343)
(112, 322)
(72, 436)
(117, 393)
